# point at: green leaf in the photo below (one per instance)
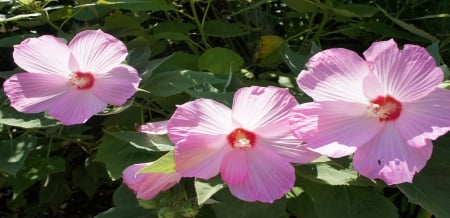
(430, 188)
(224, 29)
(295, 62)
(301, 206)
(205, 189)
(127, 211)
(137, 5)
(169, 83)
(11, 117)
(355, 10)
(220, 60)
(164, 164)
(231, 207)
(348, 201)
(13, 153)
(409, 27)
(88, 177)
(117, 154)
(173, 30)
(270, 50)
(301, 6)
(144, 141)
(327, 174)
(13, 40)
(121, 25)
(433, 50)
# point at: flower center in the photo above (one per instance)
(82, 80)
(241, 138)
(385, 108)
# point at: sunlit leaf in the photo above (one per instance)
(205, 189)
(220, 60)
(164, 164)
(11, 117)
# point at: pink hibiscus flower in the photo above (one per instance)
(385, 109)
(71, 82)
(148, 185)
(250, 144)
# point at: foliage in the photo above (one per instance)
(188, 49)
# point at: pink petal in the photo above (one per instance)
(97, 52)
(334, 128)
(45, 54)
(426, 118)
(234, 167)
(148, 185)
(202, 116)
(289, 147)
(260, 109)
(34, 92)
(75, 107)
(155, 128)
(391, 158)
(117, 85)
(270, 177)
(200, 155)
(407, 75)
(335, 74)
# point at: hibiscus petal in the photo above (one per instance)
(200, 155)
(234, 167)
(202, 116)
(75, 107)
(333, 128)
(148, 185)
(335, 74)
(270, 177)
(155, 128)
(391, 158)
(407, 75)
(97, 52)
(45, 54)
(289, 147)
(33, 92)
(426, 118)
(117, 85)
(262, 109)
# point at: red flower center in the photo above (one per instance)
(82, 80)
(385, 108)
(241, 138)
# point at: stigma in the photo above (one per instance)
(385, 108)
(241, 138)
(82, 80)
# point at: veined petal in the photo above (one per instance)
(147, 185)
(34, 92)
(335, 74)
(201, 116)
(155, 128)
(333, 128)
(407, 75)
(260, 109)
(75, 106)
(97, 52)
(45, 54)
(425, 119)
(270, 177)
(234, 167)
(117, 85)
(391, 158)
(200, 155)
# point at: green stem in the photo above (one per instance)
(199, 24)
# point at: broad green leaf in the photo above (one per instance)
(205, 189)
(35, 169)
(348, 201)
(127, 211)
(117, 154)
(270, 50)
(433, 49)
(178, 61)
(301, 6)
(302, 206)
(169, 83)
(173, 30)
(430, 188)
(14, 152)
(327, 174)
(123, 196)
(220, 60)
(385, 30)
(139, 54)
(13, 40)
(137, 5)
(295, 62)
(445, 84)
(122, 25)
(11, 117)
(409, 27)
(355, 10)
(164, 164)
(224, 29)
(143, 141)
(229, 206)
(88, 177)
